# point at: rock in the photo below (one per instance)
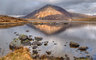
(74, 45)
(37, 43)
(55, 43)
(15, 44)
(87, 55)
(61, 58)
(35, 52)
(27, 30)
(30, 35)
(66, 42)
(23, 37)
(34, 47)
(26, 43)
(66, 57)
(15, 32)
(83, 48)
(34, 43)
(0, 50)
(64, 45)
(86, 52)
(35, 56)
(48, 52)
(38, 38)
(39, 50)
(29, 38)
(46, 43)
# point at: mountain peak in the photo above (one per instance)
(49, 12)
(50, 5)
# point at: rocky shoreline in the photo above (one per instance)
(22, 40)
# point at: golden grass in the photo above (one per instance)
(85, 19)
(20, 54)
(10, 19)
(7, 21)
(83, 59)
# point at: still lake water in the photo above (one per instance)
(84, 35)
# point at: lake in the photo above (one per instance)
(84, 34)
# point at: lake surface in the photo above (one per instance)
(85, 35)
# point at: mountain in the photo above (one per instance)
(49, 12)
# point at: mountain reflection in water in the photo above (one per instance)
(84, 34)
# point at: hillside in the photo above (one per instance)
(7, 21)
(78, 15)
(4, 18)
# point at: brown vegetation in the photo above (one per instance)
(6, 21)
(20, 54)
(10, 19)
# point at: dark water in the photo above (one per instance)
(85, 35)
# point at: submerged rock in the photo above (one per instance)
(35, 52)
(35, 56)
(34, 47)
(66, 57)
(83, 48)
(15, 32)
(38, 38)
(48, 52)
(74, 44)
(27, 30)
(0, 50)
(55, 43)
(45, 43)
(37, 43)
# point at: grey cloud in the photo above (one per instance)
(27, 6)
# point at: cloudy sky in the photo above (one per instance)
(19, 7)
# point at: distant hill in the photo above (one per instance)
(4, 18)
(7, 21)
(78, 15)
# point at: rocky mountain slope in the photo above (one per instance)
(49, 12)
